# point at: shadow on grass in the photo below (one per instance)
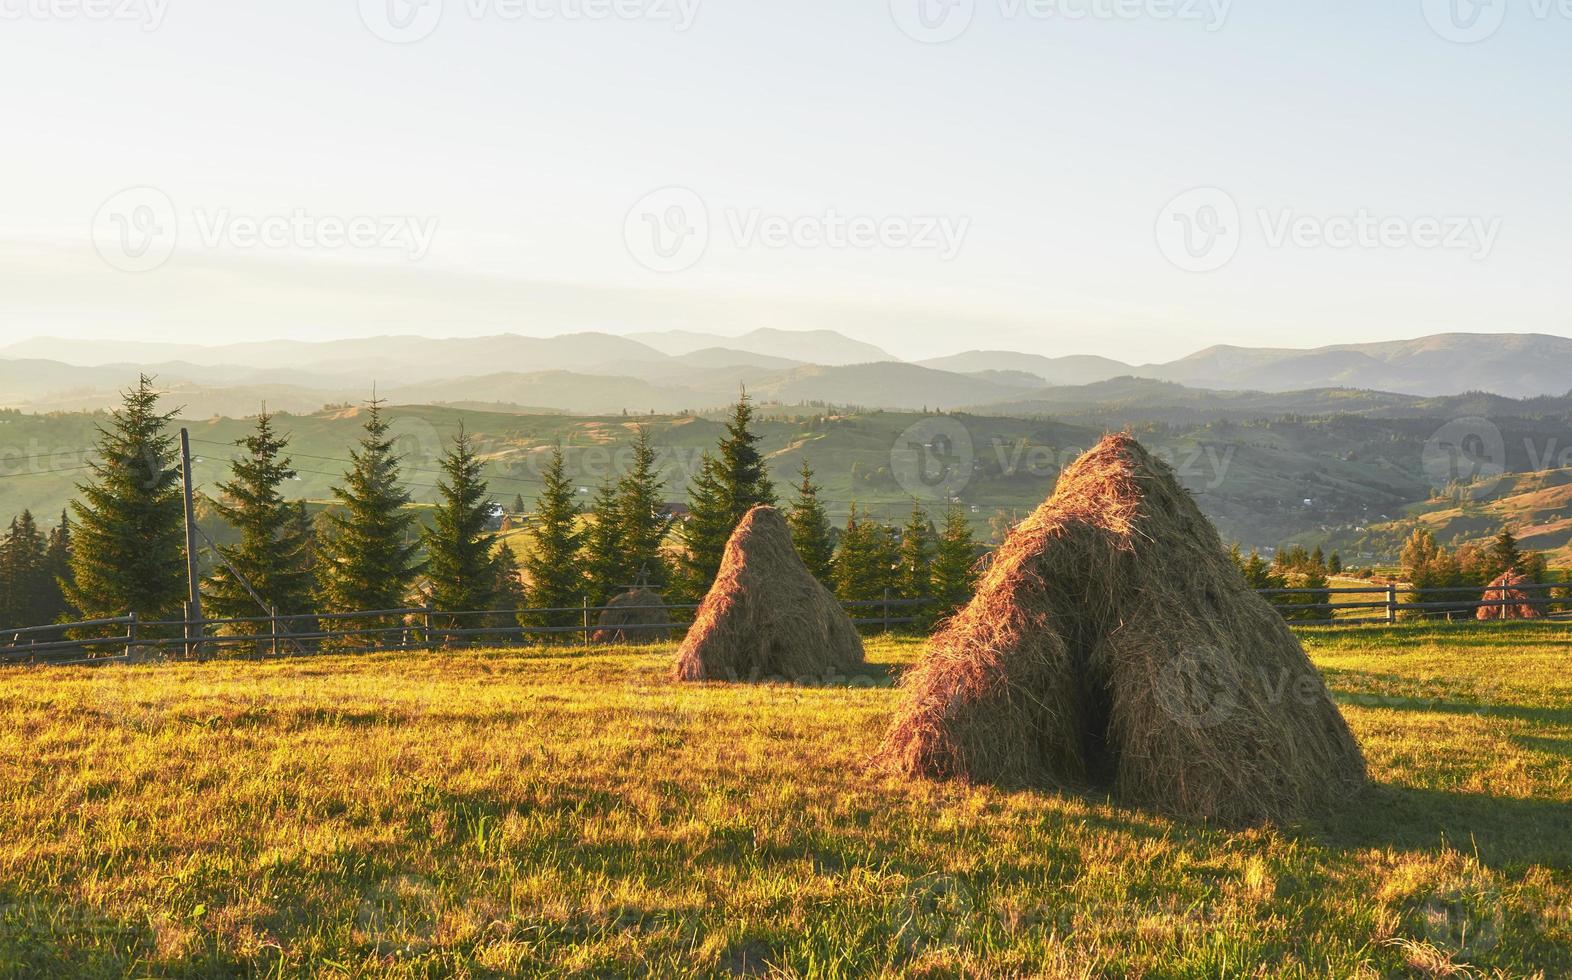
(1503, 831)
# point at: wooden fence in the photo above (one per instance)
(423, 628)
(131, 638)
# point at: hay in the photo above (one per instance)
(1113, 644)
(766, 617)
(636, 617)
(1516, 602)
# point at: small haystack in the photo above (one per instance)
(1113, 644)
(766, 617)
(1515, 602)
(635, 617)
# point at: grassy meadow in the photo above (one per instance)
(572, 812)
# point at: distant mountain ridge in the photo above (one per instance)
(675, 370)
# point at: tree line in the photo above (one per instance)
(120, 547)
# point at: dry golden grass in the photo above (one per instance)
(569, 813)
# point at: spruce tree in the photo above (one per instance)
(745, 483)
(129, 538)
(810, 529)
(605, 568)
(555, 580)
(273, 554)
(862, 568)
(367, 555)
(639, 498)
(954, 568)
(59, 562)
(729, 484)
(460, 551)
(508, 595)
(706, 532)
(25, 577)
(914, 576)
(1504, 554)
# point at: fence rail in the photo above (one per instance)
(424, 628)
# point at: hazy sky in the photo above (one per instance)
(933, 178)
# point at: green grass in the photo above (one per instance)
(574, 813)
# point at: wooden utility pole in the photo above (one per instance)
(193, 576)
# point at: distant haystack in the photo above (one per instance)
(635, 617)
(1112, 643)
(1513, 601)
(766, 616)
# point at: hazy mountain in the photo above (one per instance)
(802, 346)
(888, 385)
(1517, 365)
(1075, 369)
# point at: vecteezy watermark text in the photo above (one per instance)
(939, 21)
(670, 230)
(147, 14)
(408, 21)
(140, 229)
(1202, 230)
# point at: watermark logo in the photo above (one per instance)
(934, 459)
(668, 230)
(1464, 924)
(1198, 688)
(1465, 21)
(1468, 451)
(933, 21)
(1200, 230)
(401, 915)
(416, 444)
(936, 906)
(401, 21)
(137, 230)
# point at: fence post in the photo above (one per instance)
(132, 636)
(586, 636)
(886, 625)
(431, 626)
(1391, 603)
(273, 623)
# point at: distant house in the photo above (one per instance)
(495, 515)
(674, 512)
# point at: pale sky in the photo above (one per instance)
(1012, 183)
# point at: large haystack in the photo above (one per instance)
(766, 617)
(635, 617)
(1512, 601)
(1112, 643)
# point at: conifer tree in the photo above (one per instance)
(367, 555)
(745, 484)
(863, 566)
(605, 570)
(25, 578)
(129, 537)
(1504, 554)
(810, 529)
(460, 551)
(730, 483)
(274, 553)
(57, 561)
(706, 532)
(555, 579)
(508, 595)
(639, 497)
(914, 575)
(954, 568)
